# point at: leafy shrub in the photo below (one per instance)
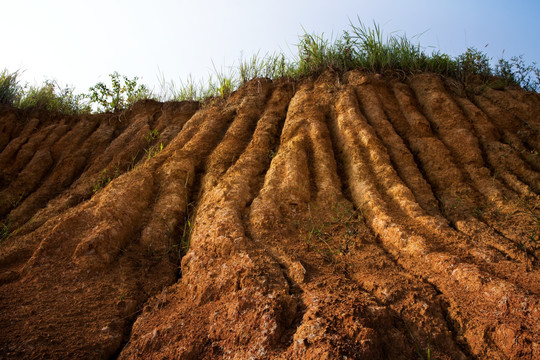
(472, 62)
(123, 93)
(516, 72)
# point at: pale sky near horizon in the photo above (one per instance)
(80, 42)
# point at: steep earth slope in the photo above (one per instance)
(342, 217)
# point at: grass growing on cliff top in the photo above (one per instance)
(369, 49)
(49, 96)
(360, 47)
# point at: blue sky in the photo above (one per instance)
(81, 42)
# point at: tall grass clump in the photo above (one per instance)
(317, 53)
(10, 91)
(185, 90)
(314, 53)
(269, 66)
(51, 97)
(359, 48)
(190, 90)
(369, 49)
(365, 48)
(220, 83)
(224, 84)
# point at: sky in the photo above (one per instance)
(80, 43)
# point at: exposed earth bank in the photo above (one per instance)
(354, 216)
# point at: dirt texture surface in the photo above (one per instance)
(343, 217)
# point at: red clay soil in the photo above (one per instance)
(345, 217)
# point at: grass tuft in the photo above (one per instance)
(269, 66)
(10, 91)
(51, 97)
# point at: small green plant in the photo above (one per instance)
(104, 179)
(318, 233)
(153, 150)
(5, 231)
(185, 238)
(132, 162)
(427, 355)
(533, 237)
(478, 212)
(151, 136)
(17, 201)
(530, 209)
(186, 233)
(122, 93)
(321, 236)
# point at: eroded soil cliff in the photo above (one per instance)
(343, 217)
